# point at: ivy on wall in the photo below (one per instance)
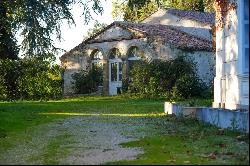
(222, 8)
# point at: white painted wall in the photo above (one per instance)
(231, 85)
(187, 25)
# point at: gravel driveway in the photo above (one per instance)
(79, 140)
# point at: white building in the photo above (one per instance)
(231, 84)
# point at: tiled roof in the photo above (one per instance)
(207, 18)
(168, 34)
(165, 33)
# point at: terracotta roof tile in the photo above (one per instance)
(203, 17)
(169, 34)
(165, 33)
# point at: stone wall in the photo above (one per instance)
(149, 51)
(116, 32)
(204, 60)
(81, 59)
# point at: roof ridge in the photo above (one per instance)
(172, 28)
(203, 17)
(152, 30)
(169, 8)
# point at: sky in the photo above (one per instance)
(73, 35)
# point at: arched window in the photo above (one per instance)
(115, 65)
(114, 53)
(96, 58)
(133, 53)
(133, 56)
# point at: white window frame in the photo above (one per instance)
(241, 40)
(117, 60)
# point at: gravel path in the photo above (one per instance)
(84, 140)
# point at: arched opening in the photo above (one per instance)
(114, 53)
(97, 67)
(96, 58)
(115, 72)
(134, 54)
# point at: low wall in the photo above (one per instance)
(222, 118)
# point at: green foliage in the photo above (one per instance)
(29, 79)
(37, 20)
(97, 28)
(3, 88)
(10, 71)
(189, 85)
(209, 6)
(196, 5)
(133, 10)
(40, 81)
(87, 81)
(174, 79)
(136, 11)
(8, 46)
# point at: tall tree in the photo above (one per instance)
(136, 10)
(8, 46)
(38, 20)
(97, 28)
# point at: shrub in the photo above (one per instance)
(173, 79)
(189, 85)
(39, 80)
(10, 71)
(3, 88)
(87, 81)
(29, 79)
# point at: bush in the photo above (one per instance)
(189, 85)
(29, 79)
(10, 71)
(87, 81)
(173, 79)
(42, 81)
(3, 88)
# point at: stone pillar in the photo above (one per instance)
(105, 77)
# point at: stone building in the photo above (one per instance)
(231, 84)
(166, 34)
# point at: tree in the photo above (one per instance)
(136, 10)
(37, 20)
(8, 47)
(133, 10)
(97, 28)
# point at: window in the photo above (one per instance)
(97, 58)
(114, 71)
(114, 53)
(245, 34)
(133, 53)
(97, 55)
(115, 65)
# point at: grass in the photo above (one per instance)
(181, 141)
(19, 115)
(197, 102)
(190, 142)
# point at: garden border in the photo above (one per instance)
(224, 118)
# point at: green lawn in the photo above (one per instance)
(181, 141)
